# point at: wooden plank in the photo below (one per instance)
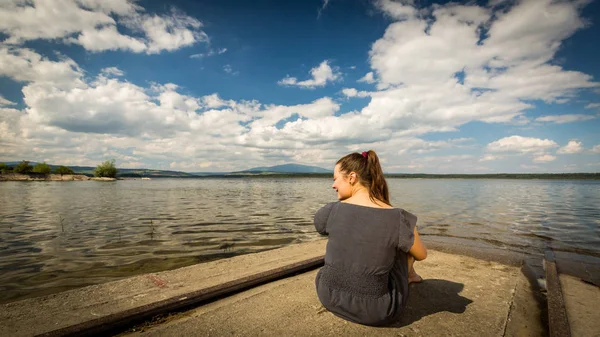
(558, 323)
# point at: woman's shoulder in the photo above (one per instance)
(368, 206)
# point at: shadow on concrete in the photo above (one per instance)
(430, 297)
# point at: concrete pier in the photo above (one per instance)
(249, 295)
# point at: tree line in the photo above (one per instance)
(106, 169)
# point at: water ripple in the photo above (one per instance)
(60, 235)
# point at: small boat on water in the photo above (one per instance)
(146, 178)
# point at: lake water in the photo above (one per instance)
(61, 235)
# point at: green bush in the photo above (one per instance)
(23, 167)
(5, 168)
(42, 168)
(106, 169)
(63, 170)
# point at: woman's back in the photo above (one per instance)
(365, 277)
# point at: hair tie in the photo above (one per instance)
(364, 154)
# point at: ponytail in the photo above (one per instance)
(370, 174)
(378, 189)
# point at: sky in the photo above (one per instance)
(493, 86)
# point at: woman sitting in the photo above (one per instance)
(371, 248)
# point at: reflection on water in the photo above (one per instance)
(60, 235)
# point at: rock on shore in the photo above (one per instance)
(103, 179)
(43, 177)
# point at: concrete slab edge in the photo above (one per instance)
(121, 320)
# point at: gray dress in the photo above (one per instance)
(365, 277)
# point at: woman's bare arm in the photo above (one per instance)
(418, 250)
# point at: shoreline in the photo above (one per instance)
(278, 175)
(50, 177)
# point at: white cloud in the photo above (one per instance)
(322, 8)
(435, 71)
(368, 78)
(228, 69)
(112, 71)
(351, 92)
(439, 164)
(170, 32)
(5, 102)
(544, 158)
(210, 52)
(214, 101)
(399, 10)
(521, 144)
(489, 157)
(561, 119)
(419, 146)
(572, 147)
(25, 65)
(94, 25)
(107, 38)
(321, 74)
(190, 166)
(48, 19)
(592, 106)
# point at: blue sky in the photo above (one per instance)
(434, 87)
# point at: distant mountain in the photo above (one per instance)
(141, 172)
(208, 174)
(287, 168)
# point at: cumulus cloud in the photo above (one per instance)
(321, 75)
(521, 144)
(435, 69)
(415, 145)
(440, 164)
(490, 157)
(112, 71)
(544, 158)
(25, 65)
(5, 102)
(399, 10)
(107, 116)
(351, 92)
(462, 63)
(107, 38)
(368, 78)
(214, 101)
(94, 25)
(573, 146)
(561, 119)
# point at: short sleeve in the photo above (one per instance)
(321, 218)
(406, 236)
